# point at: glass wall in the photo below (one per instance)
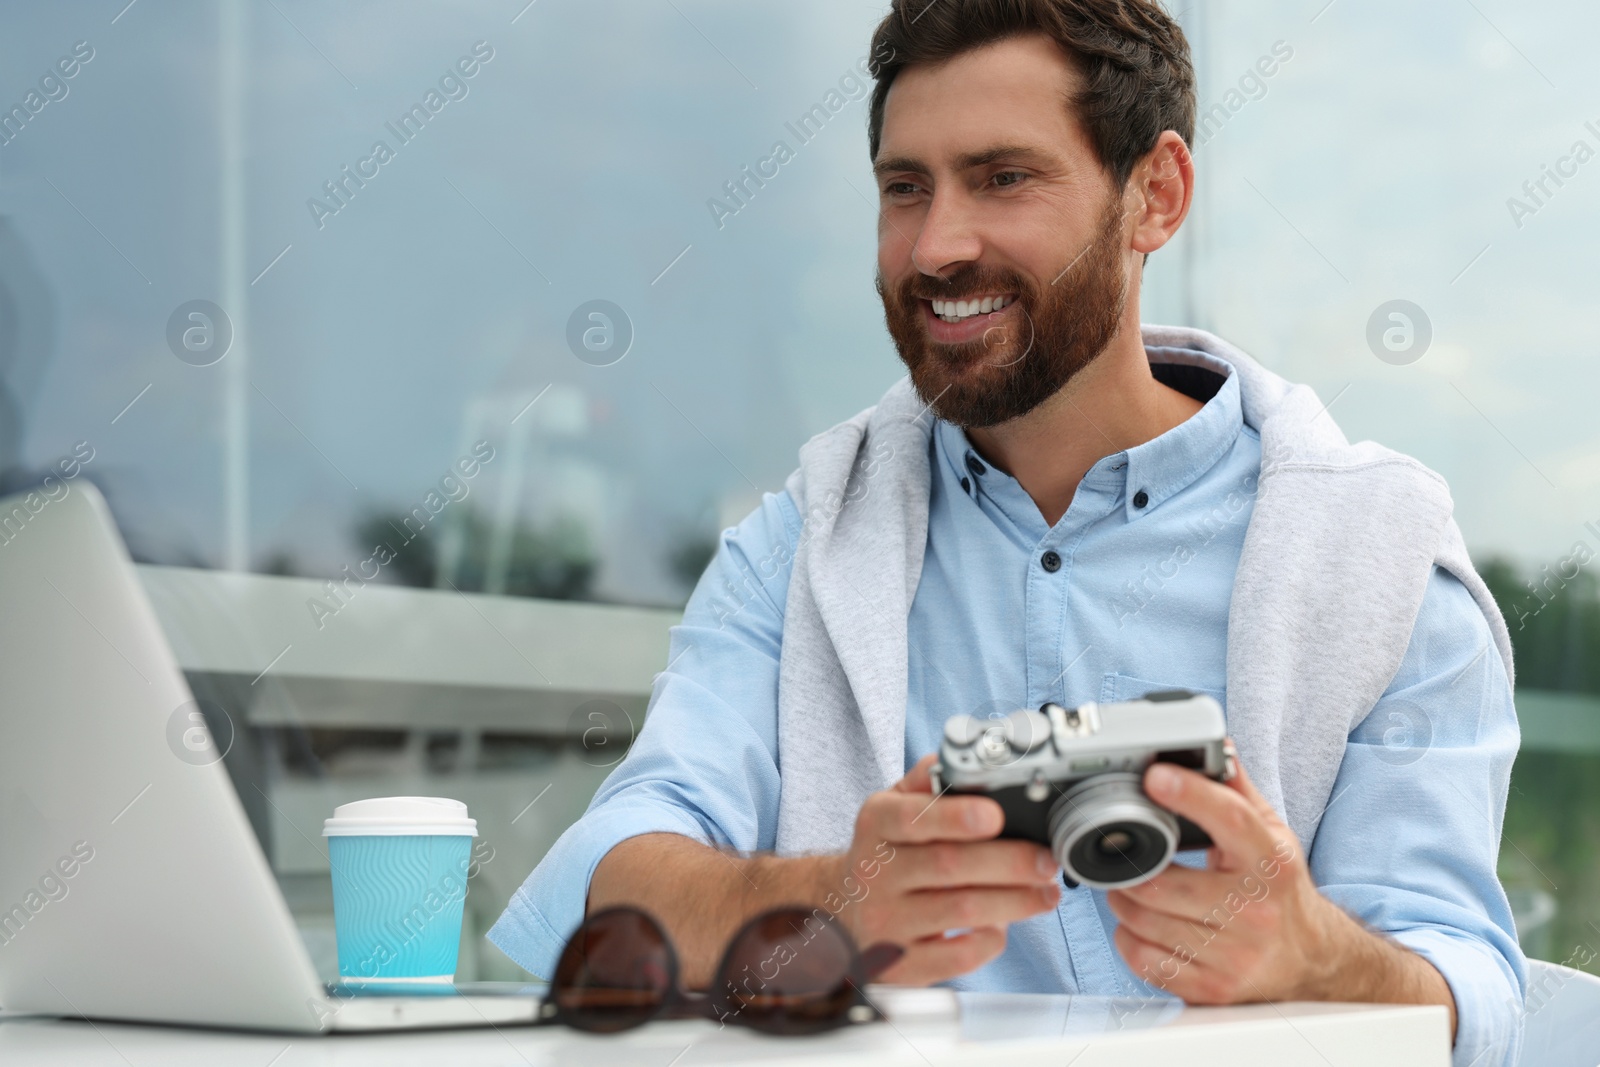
(289, 271)
(1402, 214)
(405, 216)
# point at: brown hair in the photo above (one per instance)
(1138, 79)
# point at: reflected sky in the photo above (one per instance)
(576, 163)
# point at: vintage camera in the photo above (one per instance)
(1071, 778)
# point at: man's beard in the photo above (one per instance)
(1002, 375)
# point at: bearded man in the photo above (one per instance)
(1057, 505)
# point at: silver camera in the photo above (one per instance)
(1072, 778)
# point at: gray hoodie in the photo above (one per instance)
(1340, 546)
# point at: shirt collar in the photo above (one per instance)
(1158, 469)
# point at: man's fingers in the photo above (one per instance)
(917, 779)
(911, 818)
(951, 864)
(938, 959)
(1161, 928)
(1178, 971)
(928, 912)
(1234, 823)
(1195, 894)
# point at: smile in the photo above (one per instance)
(956, 310)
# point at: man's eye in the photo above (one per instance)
(900, 188)
(1009, 177)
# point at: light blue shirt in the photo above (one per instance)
(1128, 592)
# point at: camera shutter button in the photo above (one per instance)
(1026, 731)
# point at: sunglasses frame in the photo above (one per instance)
(717, 1004)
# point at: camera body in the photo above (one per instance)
(1072, 778)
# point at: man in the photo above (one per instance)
(1058, 506)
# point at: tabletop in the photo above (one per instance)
(925, 1028)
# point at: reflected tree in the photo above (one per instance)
(555, 560)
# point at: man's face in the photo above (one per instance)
(991, 192)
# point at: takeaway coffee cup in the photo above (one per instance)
(399, 882)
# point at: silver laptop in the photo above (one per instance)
(131, 884)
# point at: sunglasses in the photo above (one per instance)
(787, 971)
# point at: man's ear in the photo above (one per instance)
(1159, 193)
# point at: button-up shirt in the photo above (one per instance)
(1126, 593)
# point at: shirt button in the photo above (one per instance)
(1050, 561)
(966, 486)
(974, 466)
(1141, 498)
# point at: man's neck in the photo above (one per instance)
(1112, 404)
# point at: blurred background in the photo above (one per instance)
(284, 347)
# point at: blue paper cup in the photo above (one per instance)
(399, 883)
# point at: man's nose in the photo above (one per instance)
(948, 236)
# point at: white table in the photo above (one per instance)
(928, 1028)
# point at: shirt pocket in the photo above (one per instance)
(1118, 687)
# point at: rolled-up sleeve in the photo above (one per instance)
(1410, 841)
(704, 764)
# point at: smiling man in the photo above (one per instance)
(1059, 505)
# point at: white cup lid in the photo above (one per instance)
(400, 817)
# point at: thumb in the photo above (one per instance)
(917, 779)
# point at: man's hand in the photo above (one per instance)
(1252, 926)
(920, 866)
(917, 867)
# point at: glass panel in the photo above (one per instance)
(1435, 154)
(307, 280)
(407, 254)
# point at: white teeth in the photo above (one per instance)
(956, 310)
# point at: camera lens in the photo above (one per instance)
(1121, 854)
(1114, 842)
(1107, 834)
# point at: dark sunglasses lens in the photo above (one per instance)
(616, 972)
(789, 972)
